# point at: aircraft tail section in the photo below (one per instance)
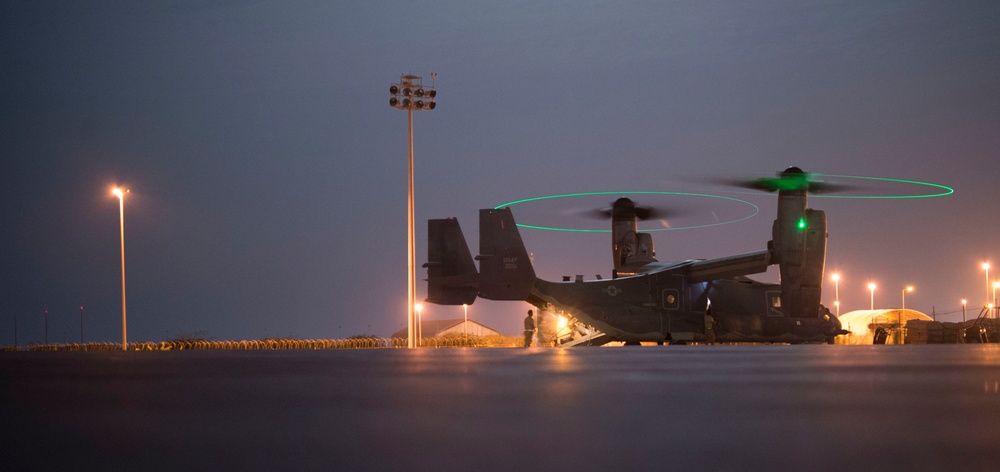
(452, 278)
(504, 265)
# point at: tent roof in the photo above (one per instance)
(433, 327)
(857, 321)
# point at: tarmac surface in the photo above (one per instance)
(816, 407)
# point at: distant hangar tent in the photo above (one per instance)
(438, 328)
(862, 323)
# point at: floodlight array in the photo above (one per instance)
(410, 94)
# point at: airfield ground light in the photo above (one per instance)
(410, 94)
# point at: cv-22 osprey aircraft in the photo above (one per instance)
(652, 301)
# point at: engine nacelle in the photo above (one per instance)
(799, 247)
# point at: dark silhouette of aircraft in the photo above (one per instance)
(648, 300)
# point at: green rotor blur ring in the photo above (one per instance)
(590, 194)
(943, 190)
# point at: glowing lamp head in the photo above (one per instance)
(836, 277)
(909, 288)
(986, 266)
(871, 286)
(118, 192)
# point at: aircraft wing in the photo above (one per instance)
(730, 266)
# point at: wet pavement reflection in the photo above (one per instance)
(923, 407)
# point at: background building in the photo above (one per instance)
(438, 328)
(863, 323)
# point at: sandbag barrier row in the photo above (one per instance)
(273, 344)
(258, 344)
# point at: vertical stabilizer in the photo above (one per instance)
(451, 273)
(504, 266)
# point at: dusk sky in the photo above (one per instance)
(268, 171)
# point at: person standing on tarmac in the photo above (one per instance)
(529, 329)
(709, 325)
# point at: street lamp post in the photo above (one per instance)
(81, 324)
(465, 307)
(986, 267)
(46, 326)
(120, 193)
(995, 286)
(420, 324)
(836, 289)
(410, 94)
(871, 287)
(899, 319)
(964, 303)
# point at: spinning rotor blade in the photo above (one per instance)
(791, 179)
(642, 212)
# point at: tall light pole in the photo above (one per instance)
(465, 307)
(871, 286)
(964, 303)
(836, 289)
(46, 326)
(410, 94)
(120, 193)
(81, 324)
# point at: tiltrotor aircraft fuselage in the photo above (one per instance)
(648, 300)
